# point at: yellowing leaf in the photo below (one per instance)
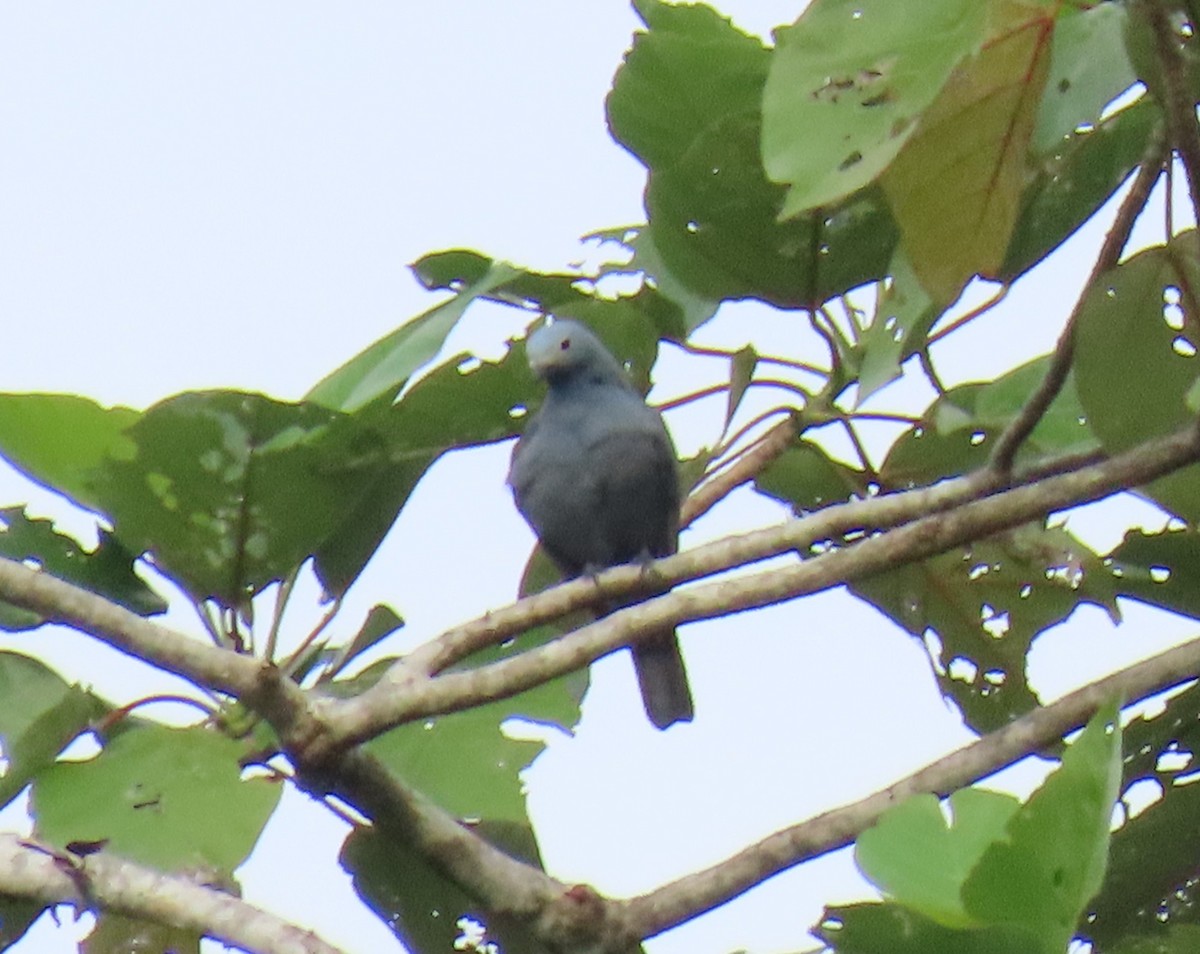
(955, 189)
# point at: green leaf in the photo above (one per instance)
(457, 405)
(1053, 860)
(463, 761)
(894, 929)
(956, 187)
(232, 491)
(385, 367)
(956, 431)
(921, 859)
(741, 373)
(16, 917)
(1175, 939)
(427, 911)
(848, 84)
(116, 934)
(106, 571)
(690, 62)
(1150, 883)
(807, 479)
(1161, 569)
(380, 623)
(60, 440)
(985, 604)
(1003, 878)
(695, 309)
(904, 314)
(687, 102)
(40, 715)
(1135, 357)
(1074, 179)
(1089, 68)
(173, 799)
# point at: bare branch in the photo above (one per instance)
(406, 693)
(502, 883)
(61, 602)
(704, 890)
(28, 870)
(1173, 90)
(748, 465)
(1009, 442)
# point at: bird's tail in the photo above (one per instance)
(663, 679)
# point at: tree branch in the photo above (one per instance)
(406, 692)
(1177, 102)
(1009, 442)
(502, 883)
(28, 870)
(316, 730)
(60, 602)
(702, 891)
(748, 465)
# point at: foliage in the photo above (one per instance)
(865, 175)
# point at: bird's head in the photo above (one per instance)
(567, 350)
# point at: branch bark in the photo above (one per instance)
(28, 870)
(406, 692)
(60, 602)
(318, 732)
(1178, 104)
(702, 891)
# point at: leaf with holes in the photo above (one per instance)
(107, 570)
(1135, 357)
(425, 909)
(1152, 862)
(848, 84)
(1089, 68)
(1160, 569)
(956, 431)
(904, 313)
(1072, 181)
(979, 608)
(687, 102)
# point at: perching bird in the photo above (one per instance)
(595, 476)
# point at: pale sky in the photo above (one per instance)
(199, 195)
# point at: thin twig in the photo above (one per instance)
(691, 396)
(297, 655)
(748, 465)
(762, 358)
(969, 316)
(721, 456)
(790, 386)
(859, 449)
(282, 595)
(1009, 442)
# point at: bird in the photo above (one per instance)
(595, 476)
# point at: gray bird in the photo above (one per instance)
(594, 474)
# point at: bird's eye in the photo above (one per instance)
(564, 344)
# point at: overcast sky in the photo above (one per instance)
(198, 195)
